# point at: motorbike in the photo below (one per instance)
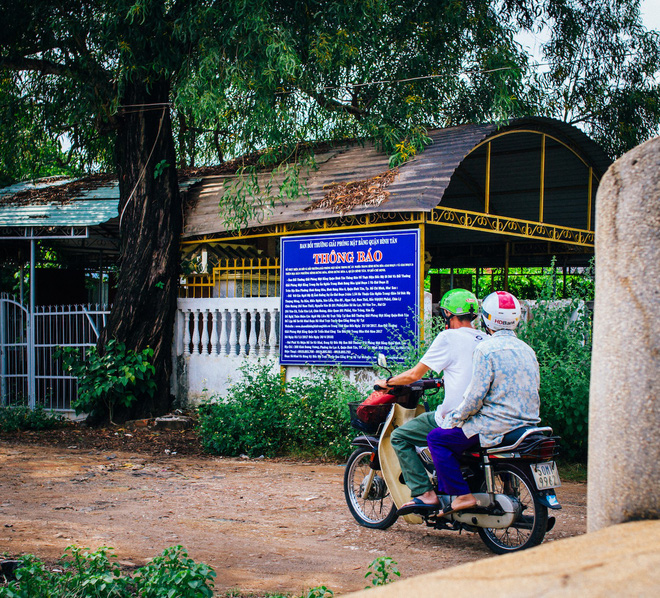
(514, 483)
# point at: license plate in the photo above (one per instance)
(546, 475)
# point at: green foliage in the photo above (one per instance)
(95, 574)
(308, 416)
(29, 151)
(563, 349)
(21, 417)
(318, 592)
(601, 71)
(174, 574)
(119, 376)
(91, 574)
(160, 167)
(32, 579)
(526, 283)
(381, 570)
(244, 75)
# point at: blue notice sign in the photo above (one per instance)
(344, 295)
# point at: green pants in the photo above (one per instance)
(404, 440)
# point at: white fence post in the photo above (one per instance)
(204, 349)
(224, 339)
(186, 331)
(254, 349)
(273, 337)
(242, 339)
(195, 335)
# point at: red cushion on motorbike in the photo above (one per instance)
(370, 411)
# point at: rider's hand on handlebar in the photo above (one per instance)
(381, 384)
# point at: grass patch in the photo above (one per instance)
(572, 472)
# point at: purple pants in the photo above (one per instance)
(445, 446)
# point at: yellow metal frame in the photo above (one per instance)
(528, 229)
(544, 137)
(534, 132)
(243, 272)
(361, 221)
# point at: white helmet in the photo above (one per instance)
(500, 311)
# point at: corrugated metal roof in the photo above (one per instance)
(76, 213)
(32, 204)
(419, 187)
(48, 202)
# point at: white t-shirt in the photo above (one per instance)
(451, 353)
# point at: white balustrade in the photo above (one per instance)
(214, 331)
(242, 339)
(233, 334)
(261, 339)
(186, 330)
(253, 333)
(245, 328)
(224, 339)
(195, 335)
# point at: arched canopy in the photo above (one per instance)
(484, 194)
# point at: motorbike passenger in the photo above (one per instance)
(502, 396)
(450, 353)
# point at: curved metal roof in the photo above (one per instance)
(420, 185)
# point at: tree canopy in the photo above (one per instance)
(141, 87)
(253, 74)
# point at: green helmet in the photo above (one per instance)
(460, 302)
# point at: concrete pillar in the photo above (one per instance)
(624, 405)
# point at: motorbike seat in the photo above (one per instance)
(514, 438)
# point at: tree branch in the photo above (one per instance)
(334, 105)
(46, 67)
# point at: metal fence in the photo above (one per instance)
(29, 372)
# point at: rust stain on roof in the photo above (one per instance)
(344, 197)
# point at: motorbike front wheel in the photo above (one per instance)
(531, 521)
(367, 496)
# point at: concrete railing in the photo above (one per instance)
(215, 338)
(243, 327)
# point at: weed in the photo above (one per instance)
(381, 570)
(21, 417)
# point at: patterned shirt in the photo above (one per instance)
(504, 391)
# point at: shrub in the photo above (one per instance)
(96, 574)
(260, 416)
(563, 349)
(118, 377)
(21, 417)
(173, 573)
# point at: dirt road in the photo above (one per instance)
(263, 525)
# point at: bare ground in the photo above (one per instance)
(264, 525)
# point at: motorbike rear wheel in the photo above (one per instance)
(375, 510)
(532, 519)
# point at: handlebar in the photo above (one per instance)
(423, 384)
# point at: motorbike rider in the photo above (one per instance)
(502, 396)
(450, 353)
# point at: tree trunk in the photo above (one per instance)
(150, 228)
